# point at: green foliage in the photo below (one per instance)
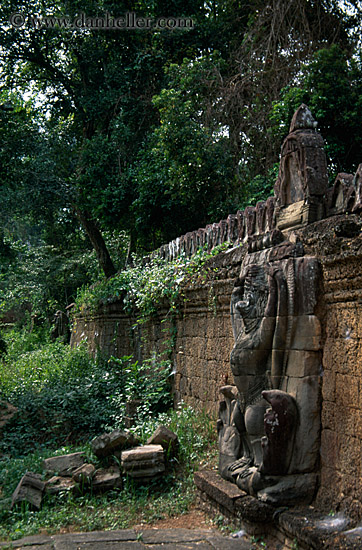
(3, 346)
(186, 164)
(65, 398)
(260, 187)
(43, 277)
(20, 340)
(96, 115)
(331, 85)
(12, 469)
(159, 137)
(143, 287)
(148, 383)
(63, 394)
(60, 393)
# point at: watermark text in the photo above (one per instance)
(129, 21)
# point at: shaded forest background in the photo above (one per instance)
(114, 142)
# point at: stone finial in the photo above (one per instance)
(302, 180)
(357, 182)
(303, 119)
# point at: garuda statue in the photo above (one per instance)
(269, 424)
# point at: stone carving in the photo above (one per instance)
(341, 197)
(357, 182)
(29, 490)
(302, 181)
(269, 421)
(279, 425)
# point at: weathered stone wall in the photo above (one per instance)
(341, 436)
(203, 344)
(337, 243)
(109, 332)
(203, 334)
(204, 341)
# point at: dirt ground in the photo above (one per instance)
(195, 519)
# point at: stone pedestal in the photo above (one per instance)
(301, 527)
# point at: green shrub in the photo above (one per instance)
(63, 394)
(148, 383)
(19, 341)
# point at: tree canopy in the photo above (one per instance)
(153, 132)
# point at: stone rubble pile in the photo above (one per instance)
(71, 473)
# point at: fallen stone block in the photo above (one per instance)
(144, 452)
(146, 472)
(30, 489)
(143, 462)
(59, 484)
(106, 479)
(166, 438)
(106, 444)
(84, 474)
(64, 465)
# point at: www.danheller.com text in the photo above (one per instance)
(129, 21)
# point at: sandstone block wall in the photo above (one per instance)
(110, 332)
(327, 224)
(203, 342)
(341, 436)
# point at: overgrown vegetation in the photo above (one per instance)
(172, 130)
(143, 287)
(135, 504)
(63, 395)
(64, 399)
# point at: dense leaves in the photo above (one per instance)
(64, 395)
(332, 87)
(152, 133)
(144, 286)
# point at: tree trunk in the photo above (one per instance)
(97, 241)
